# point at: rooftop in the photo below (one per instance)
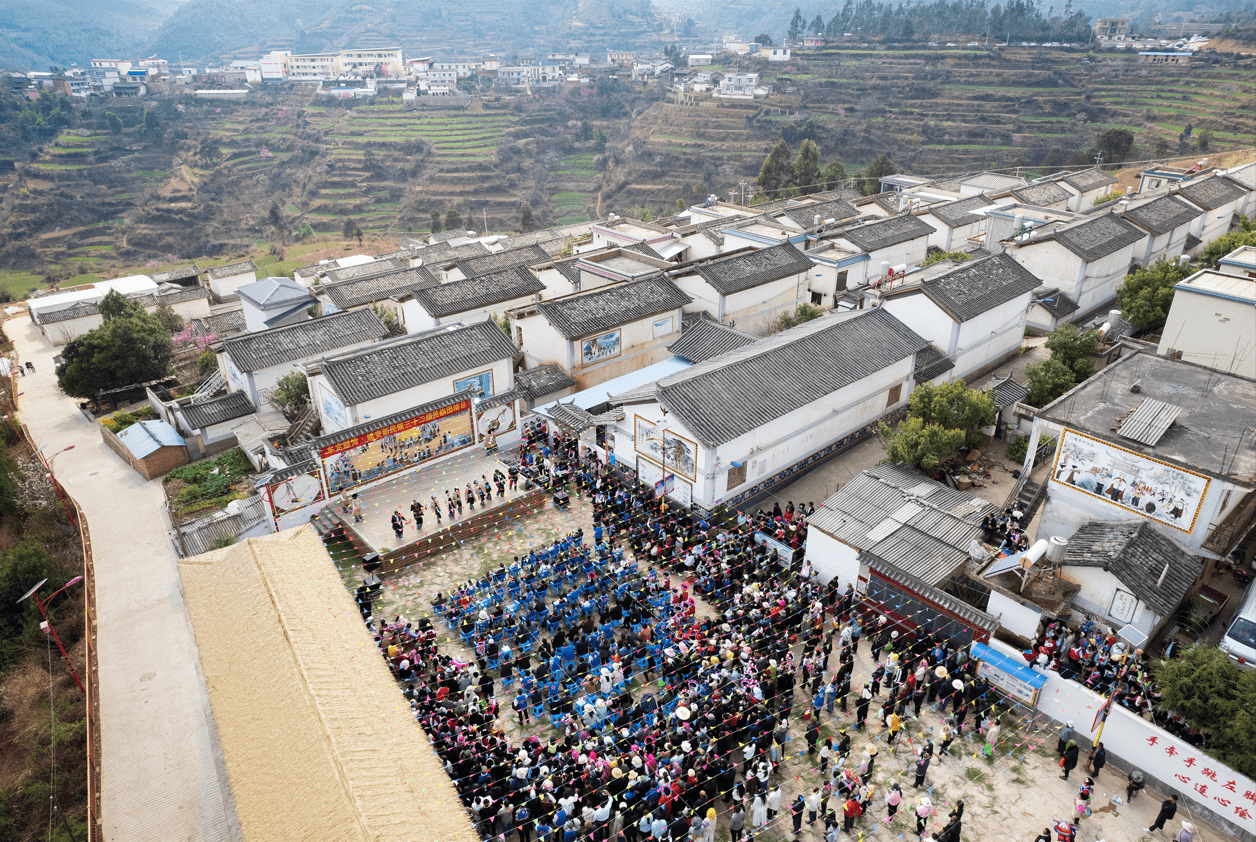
(834, 210)
(288, 343)
(918, 524)
(1095, 239)
(741, 272)
(1212, 192)
(231, 269)
(1162, 215)
(978, 286)
(1086, 180)
(442, 254)
(216, 410)
(883, 233)
(144, 438)
(1220, 285)
(727, 396)
(274, 293)
(363, 270)
(1137, 553)
(586, 313)
(191, 272)
(372, 288)
(1210, 434)
(930, 362)
(223, 323)
(705, 338)
(526, 256)
(481, 291)
(543, 380)
(408, 361)
(1006, 391)
(955, 214)
(1055, 302)
(993, 181)
(1042, 193)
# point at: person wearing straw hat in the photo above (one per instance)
(1186, 834)
(924, 809)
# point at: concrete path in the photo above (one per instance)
(162, 772)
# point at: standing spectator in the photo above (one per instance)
(795, 808)
(737, 823)
(1069, 760)
(893, 798)
(1066, 734)
(1168, 809)
(1098, 759)
(924, 809)
(813, 805)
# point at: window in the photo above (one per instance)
(841, 279)
(736, 476)
(817, 299)
(519, 336)
(896, 392)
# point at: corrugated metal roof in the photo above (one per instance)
(145, 438)
(974, 617)
(1149, 421)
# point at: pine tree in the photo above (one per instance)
(776, 171)
(807, 167)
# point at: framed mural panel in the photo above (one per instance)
(293, 495)
(1131, 481)
(484, 380)
(1123, 605)
(650, 473)
(368, 456)
(648, 438)
(595, 349)
(496, 420)
(680, 454)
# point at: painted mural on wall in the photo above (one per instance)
(649, 439)
(412, 441)
(293, 494)
(680, 454)
(1130, 481)
(483, 380)
(598, 348)
(496, 420)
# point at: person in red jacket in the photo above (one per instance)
(851, 811)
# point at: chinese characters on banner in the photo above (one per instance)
(1197, 776)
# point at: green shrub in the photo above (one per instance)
(206, 363)
(1017, 448)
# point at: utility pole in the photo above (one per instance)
(1099, 159)
(743, 192)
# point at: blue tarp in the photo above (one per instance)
(1017, 669)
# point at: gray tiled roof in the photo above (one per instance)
(182, 273)
(1211, 193)
(452, 234)
(836, 210)
(170, 294)
(1055, 302)
(274, 293)
(734, 393)
(568, 267)
(78, 310)
(1096, 238)
(993, 181)
(543, 380)
(224, 323)
(364, 270)
(955, 214)
(266, 348)
(586, 313)
(1086, 180)
(1137, 554)
(707, 338)
(216, 410)
(230, 269)
(367, 427)
(845, 194)
(481, 291)
(355, 293)
(922, 526)
(1006, 391)
(1041, 194)
(526, 256)
(409, 361)
(741, 272)
(978, 286)
(442, 254)
(1244, 175)
(887, 232)
(1162, 215)
(644, 249)
(930, 362)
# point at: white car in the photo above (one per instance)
(1239, 641)
(974, 43)
(952, 44)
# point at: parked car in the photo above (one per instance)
(974, 43)
(1239, 641)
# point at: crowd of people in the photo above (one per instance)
(671, 719)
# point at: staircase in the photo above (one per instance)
(302, 428)
(209, 388)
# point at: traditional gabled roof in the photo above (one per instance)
(354, 293)
(1160, 216)
(216, 410)
(526, 256)
(835, 209)
(78, 310)
(266, 348)
(231, 269)
(644, 249)
(955, 214)
(978, 286)
(1054, 302)
(1212, 192)
(452, 234)
(886, 232)
(481, 291)
(442, 254)
(727, 396)
(1138, 554)
(1006, 391)
(409, 361)
(707, 338)
(586, 313)
(170, 294)
(225, 323)
(274, 293)
(1087, 180)
(1043, 193)
(364, 270)
(993, 181)
(1094, 239)
(183, 273)
(543, 380)
(844, 194)
(930, 362)
(741, 272)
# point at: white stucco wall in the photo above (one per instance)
(61, 333)
(1211, 331)
(229, 286)
(1098, 589)
(1017, 617)
(831, 559)
(992, 336)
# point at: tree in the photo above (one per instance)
(795, 26)
(453, 219)
(817, 25)
(388, 316)
(765, 40)
(1048, 380)
(1203, 140)
(124, 350)
(939, 256)
(21, 567)
(919, 444)
(1214, 695)
(1115, 144)
(954, 406)
(807, 167)
(526, 222)
(1071, 347)
(599, 140)
(170, 320)
(291, 394)
(776, 171)
(1220, 247)
(879, 168)
(585, 131)
(115, 123)
(672, 53)
(115, 305)
(152, 125)
(834, 175)
(436, 227)
(349, 226)
(357, 232)
(1146, 295)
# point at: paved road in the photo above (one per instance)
(162, 774)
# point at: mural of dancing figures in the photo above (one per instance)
(1146, 487)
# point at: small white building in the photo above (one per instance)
(1086, 186)
(225, 281)
(954, 222)
(1168, 219)
(63, 317)
(1212, 322)
(775, 53)
(253, 362)
(272, 302)
(370, 287)
(699, 60)
(1220, 197)
(741, 86)
(470, 299)
(894, 242)
(750, 288)
(1241, 262)
(208, 426)
(974, 312)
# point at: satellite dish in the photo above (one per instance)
(32, 590)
